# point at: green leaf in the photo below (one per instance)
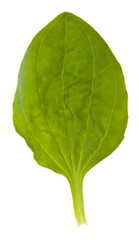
(70, 104)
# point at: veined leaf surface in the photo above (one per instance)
(70, 104)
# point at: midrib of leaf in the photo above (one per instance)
(107, 126)
(41, 103)
(62, 80)
(66, 174)
(87, 122)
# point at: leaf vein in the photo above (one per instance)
(42, 107)
(64, 110)
(37, 139)
(87, 122)
(107, 126)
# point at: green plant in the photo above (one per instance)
(70, 104)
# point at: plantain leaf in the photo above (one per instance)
(70, 104)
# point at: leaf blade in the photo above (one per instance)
(70, 105)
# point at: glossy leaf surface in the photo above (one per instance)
(70, 104)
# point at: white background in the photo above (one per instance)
(36, 203)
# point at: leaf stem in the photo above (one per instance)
(77, 195)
